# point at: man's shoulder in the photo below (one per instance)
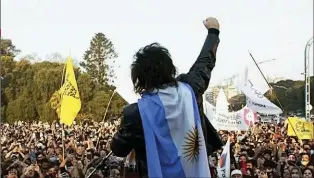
(130, 109)
(186, 79)
(131, 113)
(191, 80)
(183, 78)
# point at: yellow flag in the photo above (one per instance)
(70, 97)
(300, 128)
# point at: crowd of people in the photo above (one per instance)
(36, 150)
(265, 151)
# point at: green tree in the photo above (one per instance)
(8, 49)
(87, 89)
(8, 52)
(31, 93)
(55, 102)
(98, 105)
(21, 109)
(237, 102)
(99, 58)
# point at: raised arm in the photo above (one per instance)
(199, 75)
(198, 78)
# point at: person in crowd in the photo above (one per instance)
(236, 174)
(308, 173)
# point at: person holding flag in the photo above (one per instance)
(167, 128)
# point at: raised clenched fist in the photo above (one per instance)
(211, 22)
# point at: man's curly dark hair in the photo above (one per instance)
(152, 69)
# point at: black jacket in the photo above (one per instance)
(130, 134)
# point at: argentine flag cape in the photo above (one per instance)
(175, 145)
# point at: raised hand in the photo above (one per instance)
(211, 22)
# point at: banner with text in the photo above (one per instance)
(256, 101)
(231, 121)
(300, 127)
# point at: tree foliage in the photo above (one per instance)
(31, 93)
(98, 59)
(8, 49)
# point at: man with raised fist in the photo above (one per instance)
(167, 128)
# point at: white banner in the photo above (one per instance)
(234, 121)
(254, 77)
(256, 101)
(209, 110)
(222, 102)
(223, 168)
(266, 119)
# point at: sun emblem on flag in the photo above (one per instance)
(191, 146)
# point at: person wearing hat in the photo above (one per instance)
(236, 174)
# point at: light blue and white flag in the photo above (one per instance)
(175, 145)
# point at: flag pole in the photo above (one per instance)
(62, 129)
(292, 128)
(271, 88)
(103, 119)
(271, 91)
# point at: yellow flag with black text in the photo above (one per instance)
(300, 127)
(70, 97)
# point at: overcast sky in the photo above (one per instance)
(268, 28)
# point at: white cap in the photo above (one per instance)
(236, 172)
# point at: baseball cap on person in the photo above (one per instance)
(236, 172)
